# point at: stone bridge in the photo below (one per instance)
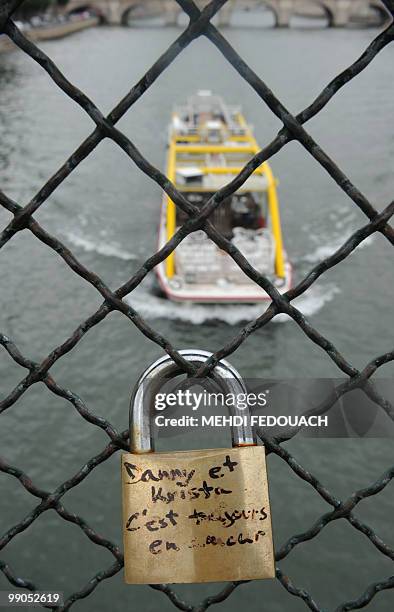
(338, 12)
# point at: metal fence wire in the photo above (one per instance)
(199, 25)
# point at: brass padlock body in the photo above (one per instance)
(195, 516)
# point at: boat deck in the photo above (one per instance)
(209, 145)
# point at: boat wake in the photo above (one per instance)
(151, 306)
(323, 251)
(101, 247)
(342, 225)
(154, 307)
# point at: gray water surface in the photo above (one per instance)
(107, 213)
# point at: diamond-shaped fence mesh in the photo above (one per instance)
(293, 129)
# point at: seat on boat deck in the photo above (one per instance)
(199, 260)
(258, 248)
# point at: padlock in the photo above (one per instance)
(199, 515)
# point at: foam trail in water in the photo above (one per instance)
(153, 307)
(108, 249)
(326, 250)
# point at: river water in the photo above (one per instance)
(107, 212)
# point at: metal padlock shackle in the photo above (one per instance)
(153, 378)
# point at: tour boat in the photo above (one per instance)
(209, 143)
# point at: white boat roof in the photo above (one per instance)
(212, 181)
(206, 102)
(217, 181)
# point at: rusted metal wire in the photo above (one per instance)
(293, 129)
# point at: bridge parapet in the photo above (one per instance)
(339, 12)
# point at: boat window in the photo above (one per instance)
(221, 216)
(248, 211)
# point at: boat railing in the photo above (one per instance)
(192, 130)
(188, 114)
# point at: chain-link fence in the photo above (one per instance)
(199, 25)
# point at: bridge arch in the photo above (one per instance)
(127, 13)
(82, 6)
(273, 7)
(283, 12)
(270, 6)
(326, 10)
(146, 9)
(380, 11)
